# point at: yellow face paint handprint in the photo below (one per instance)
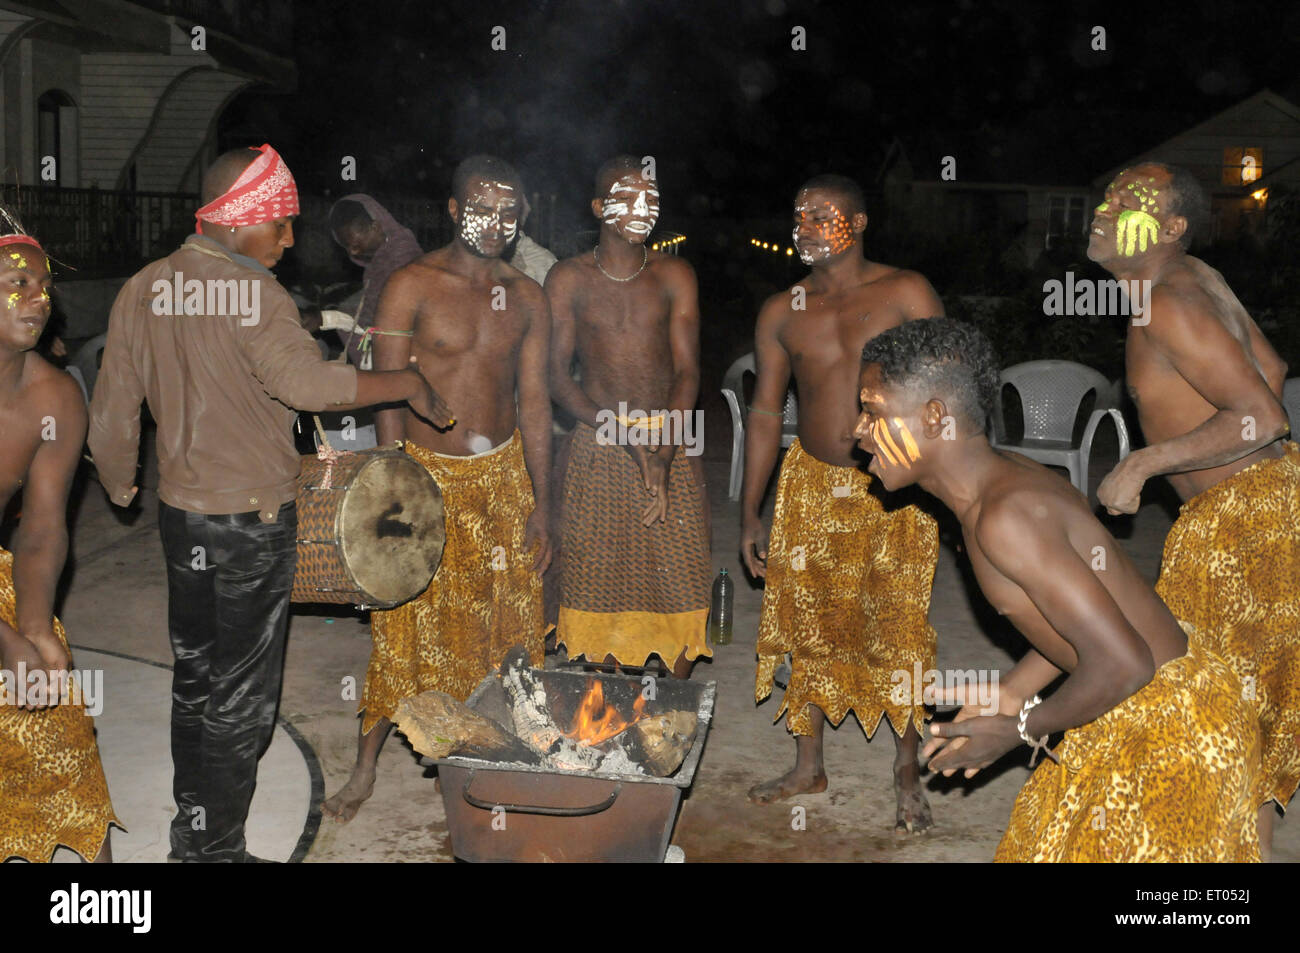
(1137, 227)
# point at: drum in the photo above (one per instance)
(370, 529)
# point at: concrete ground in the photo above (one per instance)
(116, 601)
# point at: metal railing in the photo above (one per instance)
(100, 232)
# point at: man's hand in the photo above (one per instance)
(311, 319)
(655, 473)
(537, 535)
(426, 402)
(1121, 491)
(1004, 703)
(753, 546)
(986, 739)
(42, 652)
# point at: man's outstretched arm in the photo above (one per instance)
(1111, 660)
(1210, 359)
(535, 421)
(763, 429)
(684, 344)
(40, 545)
(561, 285)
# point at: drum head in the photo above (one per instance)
(391, 528)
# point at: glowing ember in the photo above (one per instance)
(595, 721)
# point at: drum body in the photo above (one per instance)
(370, 529)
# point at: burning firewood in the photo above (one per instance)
(661, 742)
(599, 739)
(439, 726)
(526, 699)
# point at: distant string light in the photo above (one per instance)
(668, 242)
(774, 247)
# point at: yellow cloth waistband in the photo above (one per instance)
(466, 456)
(648, 423)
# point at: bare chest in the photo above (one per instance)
(1163, 398)
(20, 436)
(1003, 595)
(606, 307)
(466, 327)
(831, 335)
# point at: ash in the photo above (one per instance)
(571, 756)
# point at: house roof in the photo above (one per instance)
(1041, 150)
(1264, 97)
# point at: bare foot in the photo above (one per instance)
(796, 781)
(913, 809)
(344, 805)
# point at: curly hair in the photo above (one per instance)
(485, 168)
(1189, 200)
(613, 169)
(841, 185)
(942, 357)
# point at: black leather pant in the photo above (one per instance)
(228, 582)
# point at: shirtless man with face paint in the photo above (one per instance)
(635, 565)
(1159, 744)
(1208, 387)
(481, 329)
(847, 582)
(54, 788)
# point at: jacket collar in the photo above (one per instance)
(207, 246)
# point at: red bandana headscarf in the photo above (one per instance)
(263, 192)
(21, 240)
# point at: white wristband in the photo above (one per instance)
(1036, 744)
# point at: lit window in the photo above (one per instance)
(1242, 164)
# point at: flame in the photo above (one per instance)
(595, 721)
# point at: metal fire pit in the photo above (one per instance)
(500, 812)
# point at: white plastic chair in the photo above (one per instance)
(733, 389)
(86, 364)
(1291, 401)
(1050, 394)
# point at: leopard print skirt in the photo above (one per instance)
(1168, 775)
(52, 787)
(1231, 569)
(847, 595)
(485, 597)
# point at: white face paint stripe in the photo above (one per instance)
(640, 217)
(613, 210)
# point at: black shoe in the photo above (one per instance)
(252, 859)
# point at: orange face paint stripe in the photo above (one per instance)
(894, 447)
(913, 451)
(877, 429)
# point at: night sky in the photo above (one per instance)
(734, 116)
